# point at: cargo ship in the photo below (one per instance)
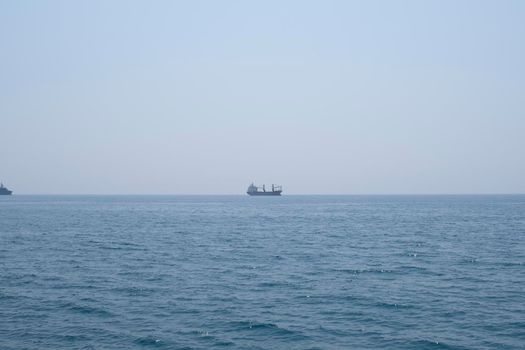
(256, 191)
(4, 191)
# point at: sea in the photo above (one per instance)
(240, 272)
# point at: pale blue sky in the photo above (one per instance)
(198, 97)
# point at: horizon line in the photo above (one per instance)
(284, 195)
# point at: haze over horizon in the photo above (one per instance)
(203, 97)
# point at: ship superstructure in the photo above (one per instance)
(261, 191)
(4, 191)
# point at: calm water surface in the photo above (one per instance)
(237, 272)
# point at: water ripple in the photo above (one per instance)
(304, 272)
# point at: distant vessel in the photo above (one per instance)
(255, 191)
(4, 190)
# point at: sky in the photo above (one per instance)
(204, 97)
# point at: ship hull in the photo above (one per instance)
(274, 193)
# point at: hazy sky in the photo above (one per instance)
(197, 97)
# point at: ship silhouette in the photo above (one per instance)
(4, 191)
(256, 191)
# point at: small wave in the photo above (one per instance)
(333, 331)
(425, 344)
(134, 291)
(387, 305)
(221, 343)
(149, 341)
(113, 248)
(267, 329)
(212, 338)
(365, 271)
(84, 309)
(4, 297)
(275, 284)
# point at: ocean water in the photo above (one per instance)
(238, 272)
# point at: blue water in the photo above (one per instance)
(238, 272)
